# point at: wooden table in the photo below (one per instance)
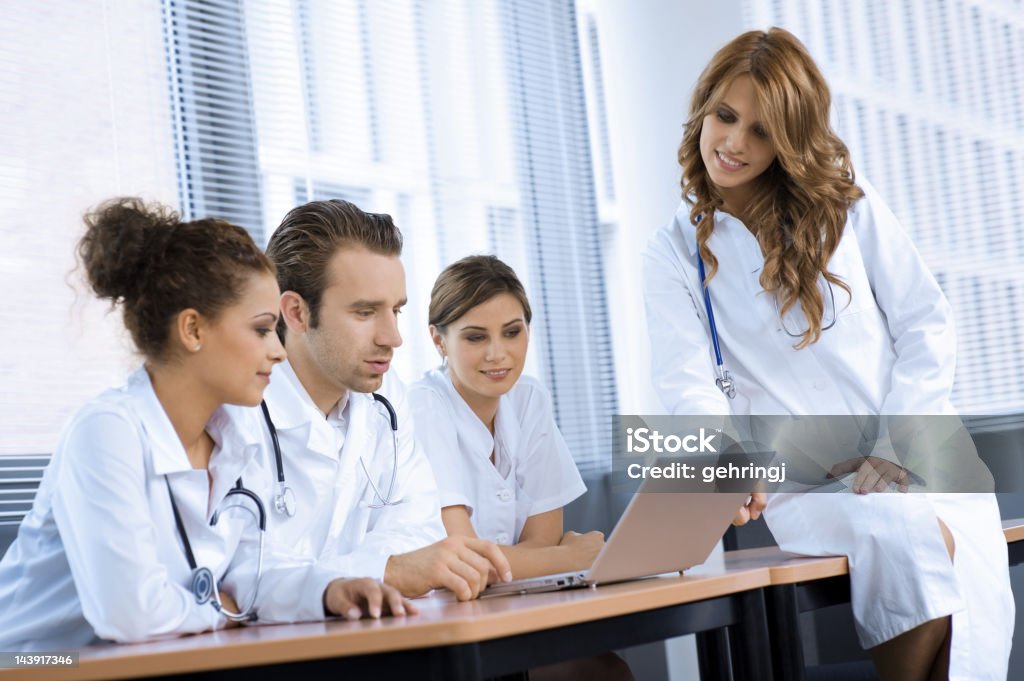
(730, 602)
(801, 584)
(450, 640)
(794, 583)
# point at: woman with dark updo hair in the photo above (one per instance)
(128, 513)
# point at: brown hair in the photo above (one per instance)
(469, 282)
(143, 257)
(800, 204)
(309, 236)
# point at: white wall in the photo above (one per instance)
(84, 116)
(652, 53)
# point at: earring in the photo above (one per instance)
(444, 361)
(196, 348)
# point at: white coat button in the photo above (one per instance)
(819, 385)
(505, 495)
(502, 538)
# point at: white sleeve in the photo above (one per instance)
(917, 313)
(412, 521)
(549, 475)
(681, 358)
(436, 433)
(290, 589)
(103, 516)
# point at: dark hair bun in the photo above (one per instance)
(143, 257)
(122, 237)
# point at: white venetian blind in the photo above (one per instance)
(84, 116)
(929, 96)
(465, 120)
(215, 136)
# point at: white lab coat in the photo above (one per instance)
(99, 556)
(334, 525)
(533, 471)
(892, 351)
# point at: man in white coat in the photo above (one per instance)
(357, 496)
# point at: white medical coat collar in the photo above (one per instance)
(480, 440)
(292, 407)
(683, 225)
(689, 230)
(232, 428)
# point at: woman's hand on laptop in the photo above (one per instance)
(584, 547)
(751, 510)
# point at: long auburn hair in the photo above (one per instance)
(800, 202)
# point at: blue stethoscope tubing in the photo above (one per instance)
(723, 379)
(284, 498)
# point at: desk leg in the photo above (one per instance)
(713, 655)
(749, 641)
(1016, 552)
(787, 648)
(456, 663)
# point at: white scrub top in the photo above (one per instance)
(891, 351)
(99, 555)
(533, 471)
(324, 458)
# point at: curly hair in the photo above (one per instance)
(145, 259)
(800, 203)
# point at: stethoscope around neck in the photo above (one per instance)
(284, 497)
(203, 584)
(723, 379)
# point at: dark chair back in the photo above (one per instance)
(19, 479)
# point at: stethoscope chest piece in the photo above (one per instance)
(284, 501)
(202, 585)
(725, 384)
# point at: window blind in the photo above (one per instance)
(466, 121)
(214, 130)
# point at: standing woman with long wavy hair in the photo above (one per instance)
(791, 272)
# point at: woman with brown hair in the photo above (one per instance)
(791, 272)
(503, 471)
(502, 468)
(142, 526)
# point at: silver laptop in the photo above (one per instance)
(659, 532)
